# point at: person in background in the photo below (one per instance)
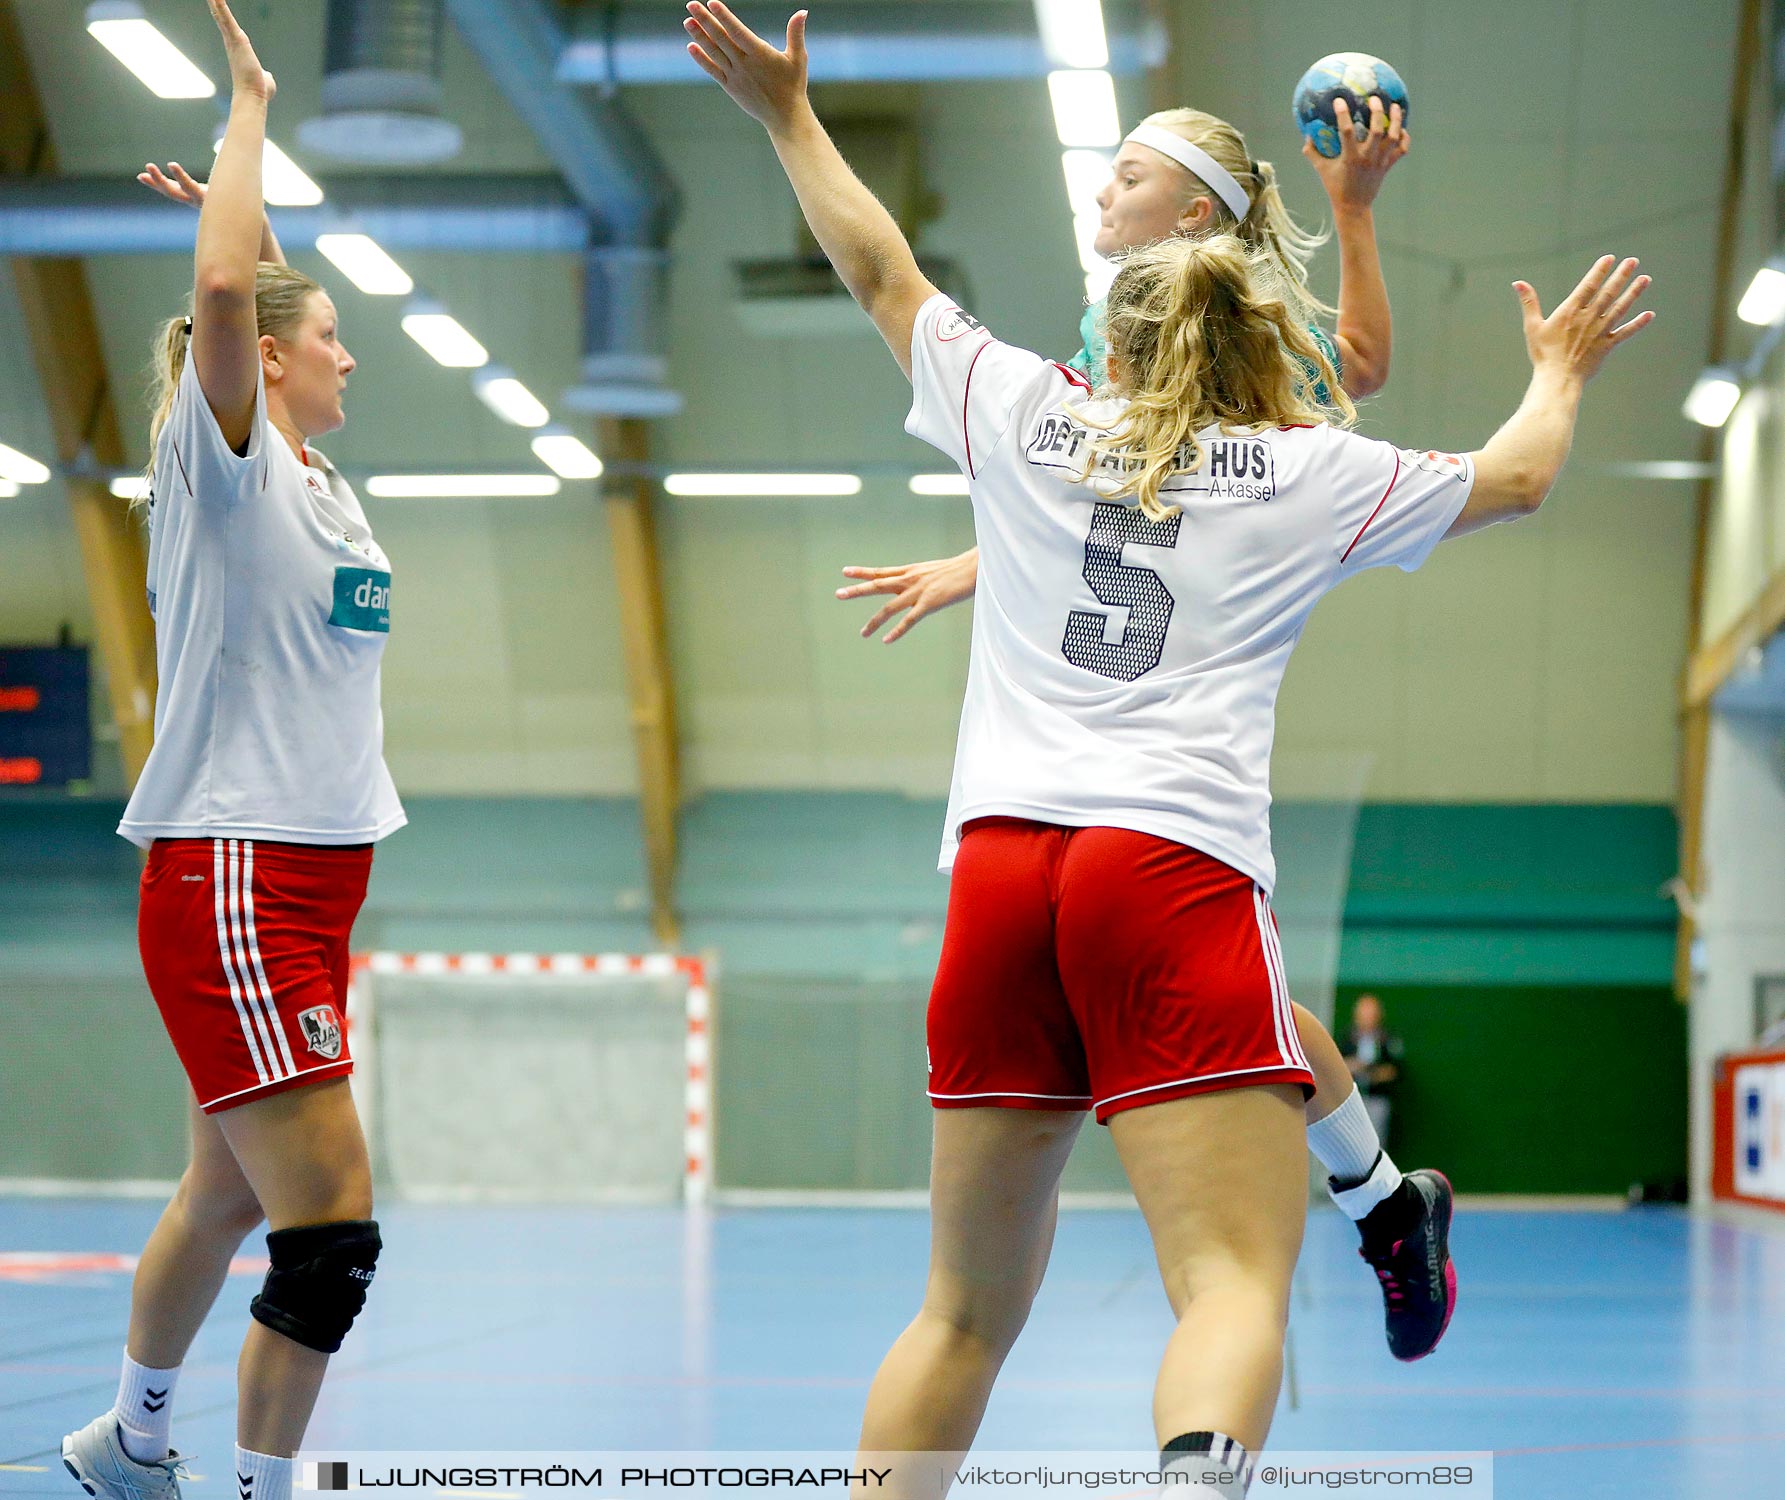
(1374, 1056)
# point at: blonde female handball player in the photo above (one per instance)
(1157, 189)
(1184, 173)
(259, 804)
(1108, 944)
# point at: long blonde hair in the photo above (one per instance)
(1268, 226)
(281, 298)
(1200, 335)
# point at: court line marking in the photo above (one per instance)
(338, 1375)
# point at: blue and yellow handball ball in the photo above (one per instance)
(1353, 77)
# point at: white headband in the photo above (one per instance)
(1170, 143)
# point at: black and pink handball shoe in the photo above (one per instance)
(1407, 1244)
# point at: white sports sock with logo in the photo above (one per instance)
(1207, 1459)
(144, 1410)
(1349, 1148)
(260, 1476)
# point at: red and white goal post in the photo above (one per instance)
(494, 972)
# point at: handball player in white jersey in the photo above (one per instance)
(1148, 561)
(258, 806)
(1185, 173)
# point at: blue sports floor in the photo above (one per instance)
(1600, 1354)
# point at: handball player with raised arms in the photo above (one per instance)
(1182, 172)
(1109, 946)
(258, 806)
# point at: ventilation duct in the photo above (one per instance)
(914, 41)
(487, 214)
(625, 292)
(618, 179)
(381, 90)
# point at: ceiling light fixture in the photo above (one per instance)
(120, 28)
(21, 468)
(776, 485)
(1713, 397)
(442, 336)
(567, 455)
(1072, 33)
(1084, 103)
(461, 486)
(499, 389)
(1764, 300)
(362, 261)
(283, 183)
(1087, 174)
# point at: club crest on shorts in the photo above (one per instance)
(322, 1030)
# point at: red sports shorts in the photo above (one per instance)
(1100, 968)
(245, 946)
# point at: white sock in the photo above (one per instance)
(144, 1410)
(1345, 1141)
(1359, 1198)
(260, 1476)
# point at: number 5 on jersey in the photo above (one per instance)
(1139, 590)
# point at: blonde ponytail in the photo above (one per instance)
(1268, 226)
(166, 366)
(1201, 335)
(281, 298)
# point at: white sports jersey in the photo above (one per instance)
(272, 609)
(1125, 670)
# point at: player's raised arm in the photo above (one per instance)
(1515, 470)
(855, 231)
(225, 334)
(180, 186)
(1365, 334)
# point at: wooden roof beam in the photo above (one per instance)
(630, 501)
(63, 331)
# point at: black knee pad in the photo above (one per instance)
(317, 1284)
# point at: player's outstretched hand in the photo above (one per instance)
(175, 183)
(768, 85)
(917, 589)
(246, 75)
(1354, 177)
(1589, 323)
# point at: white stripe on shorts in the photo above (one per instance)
(263, 1026)
(1258, 915)
(1172, 1083)
(270, 1005)
(1288, 1043)
(1276, 951)
(229, 970)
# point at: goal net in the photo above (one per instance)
(535, 1077)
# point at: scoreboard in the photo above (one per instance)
(46, 735)
(1748, 1128)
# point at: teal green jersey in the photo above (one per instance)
(1090, 357)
